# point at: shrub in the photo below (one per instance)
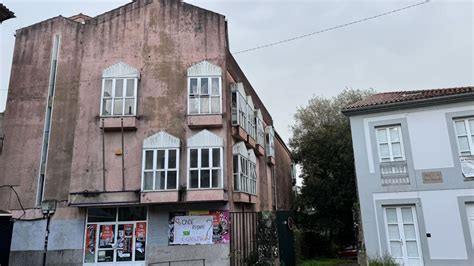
(386, 260)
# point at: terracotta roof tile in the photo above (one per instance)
(407, 96)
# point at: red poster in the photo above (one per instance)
(90, 243)
(141, 231)
(107, 232)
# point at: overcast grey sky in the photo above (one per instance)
(429, 46)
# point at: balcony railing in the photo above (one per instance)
(394, 173)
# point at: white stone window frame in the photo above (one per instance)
(468, 124)
(205, 140)
(245, 176)
(124, 72)
(201, 71)
(390, 143)
(161, 141)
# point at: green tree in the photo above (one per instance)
(322, 145)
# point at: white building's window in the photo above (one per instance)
(205, 160)
(252, 124)
(204, 89)
(260, 128)
(465, 136)
(119, 90)
(245, 169)
(160, 162)
(270, 141)
(390, 144)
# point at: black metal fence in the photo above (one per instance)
(243, 238)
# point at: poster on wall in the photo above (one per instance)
(106, 236)
(220, 225)
(467, 166)
(124, 242)
(90, 243)
(171, 225)
(140, 241)
(192, 230)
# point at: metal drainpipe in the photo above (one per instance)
(123, 157)
(46, 238)
(103, 155)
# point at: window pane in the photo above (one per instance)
(101, 214)
(129, 106)
(194, 179)
(463, 143)
(193, 158)
(118, 88)
(106, 238)
(160, 159)
(215, 105)
(204, 86)
(130, 88)
(107, 107)
(407, 215)
(193, 86)
(393, 232)
(172, 159)
(105, 255)
(391, 215)
(118, 105)
(460, 128)
(124, 242)
(216, 178)
(193, 105)
(108, 88)
(471, 126)
(384, 151)
(204, 104)
(160, 180)
(216, 157)
(205, 179)
(397, 150)
(148, 182)
(132, 214)
(215, 86)
(204, 157)
(412, 249)
(409, 231)
(394, 134)
(382, 135)
(171, 181)
(140, 241)
(149, 160)
(396, 249)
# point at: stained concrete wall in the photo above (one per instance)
(284, 185)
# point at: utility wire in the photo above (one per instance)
(331, 28)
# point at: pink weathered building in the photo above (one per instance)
(117, 124)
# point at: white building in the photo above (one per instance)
(414, 156)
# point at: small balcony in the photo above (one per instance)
(117, 123)
(394, 173)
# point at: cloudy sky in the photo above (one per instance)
(428, 46)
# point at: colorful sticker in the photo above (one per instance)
(140, 241)
(124, 242)
(89, 254)
(106, 237)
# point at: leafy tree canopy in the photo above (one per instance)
(322, 145)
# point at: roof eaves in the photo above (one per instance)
(409, 104)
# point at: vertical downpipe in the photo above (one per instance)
(48, 219)
(47, 119)
(103, 155)
(123, 157)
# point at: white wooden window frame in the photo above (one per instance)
(469, 135)
(401, 231)
(245, 175)
(270, 141)
(198, 95)
(210, 168)
(116, 223)
(165, 170)
(112, 98)
(390, 143)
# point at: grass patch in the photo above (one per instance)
(327, 262)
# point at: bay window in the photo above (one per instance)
(245, 169)
(119, 91)
(204, 89)
(205, 160)
(160, 162)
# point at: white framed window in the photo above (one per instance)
(160, 162)
(160, 169)
(245, 169)
(205, 157)
(119, 91)
(390, 143)
(465, 135)
(270, 141)
(204, 95)
(204, 89)
(205, 167)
